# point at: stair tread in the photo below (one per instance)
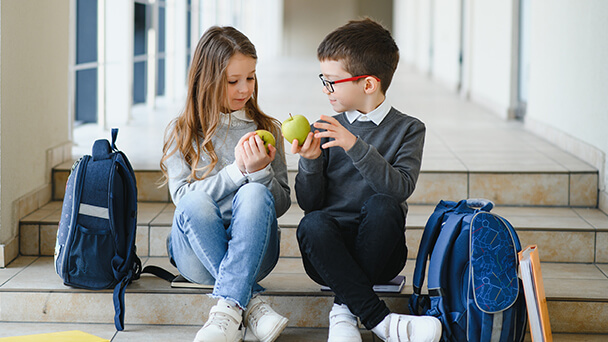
(37, 274)
(522, 218)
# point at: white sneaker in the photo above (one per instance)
(223, 325)
(263, 321)
(343, 325)
(406, 328)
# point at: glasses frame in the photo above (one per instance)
(329, 85)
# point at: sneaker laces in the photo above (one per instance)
(258, 311)
(220, 320)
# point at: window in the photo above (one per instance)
(85, 96)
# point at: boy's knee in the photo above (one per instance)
(313, 226)
(382, 206)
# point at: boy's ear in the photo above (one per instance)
(371, 85)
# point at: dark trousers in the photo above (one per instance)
(350, 257)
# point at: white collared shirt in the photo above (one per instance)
(376, 116)
(239, 115)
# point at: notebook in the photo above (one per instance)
(180, 281)
(394, 285)
(534, 290)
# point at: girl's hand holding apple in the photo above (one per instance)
(252, 153)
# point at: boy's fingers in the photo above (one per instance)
(329, 119)
(295, 148)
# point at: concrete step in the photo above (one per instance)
(30, 291)
(577, 235)
(535, 186)
(185, 333)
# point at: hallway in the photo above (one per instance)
(461, 135)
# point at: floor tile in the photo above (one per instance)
(587, 289)
(571, 271)
(14, 268)
(157, 333)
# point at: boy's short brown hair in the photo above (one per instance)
(365, 48)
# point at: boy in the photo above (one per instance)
(356, 171)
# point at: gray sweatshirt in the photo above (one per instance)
(385, 159)
(225, 178)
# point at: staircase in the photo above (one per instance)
(549, 196)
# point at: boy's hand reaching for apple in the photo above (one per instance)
(310, 149)
(333, 129)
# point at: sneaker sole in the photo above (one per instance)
(278, 329)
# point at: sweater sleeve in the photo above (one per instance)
(310, 184)
(398, 177)
(217, 186)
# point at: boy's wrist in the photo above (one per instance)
(358, 150)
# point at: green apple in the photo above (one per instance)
(267, 138)
(296, 127)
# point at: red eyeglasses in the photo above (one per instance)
(329, 85)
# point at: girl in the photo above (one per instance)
(227, 188)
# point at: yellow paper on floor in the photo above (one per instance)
(64, 336)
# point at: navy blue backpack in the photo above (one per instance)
(95, 247)
(473, 284)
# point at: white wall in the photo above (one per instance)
(490, 47)
(412, 32)
(116, 63)
(34, 87)
(446, 38)
(568, 98)
(308, 22)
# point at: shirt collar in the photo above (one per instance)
(238, 115)
(376, 116)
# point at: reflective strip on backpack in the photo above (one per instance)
(95, 211)
(496, 326)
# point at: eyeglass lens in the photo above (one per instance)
(328, 84)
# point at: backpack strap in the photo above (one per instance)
(431, 231)
(125, 276)
(159, 272)
(114, 136)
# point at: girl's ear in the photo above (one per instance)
(371, 85)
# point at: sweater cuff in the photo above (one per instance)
(311, 165)
(260, 175)
(235, 174)
(358, 151)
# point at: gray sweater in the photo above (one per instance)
(385, 159)
(225, 178)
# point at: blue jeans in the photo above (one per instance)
(234, 253)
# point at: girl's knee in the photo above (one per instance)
(254, 196)
(253, 191)
(196, 205)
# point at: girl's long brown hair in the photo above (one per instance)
(191, 132)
